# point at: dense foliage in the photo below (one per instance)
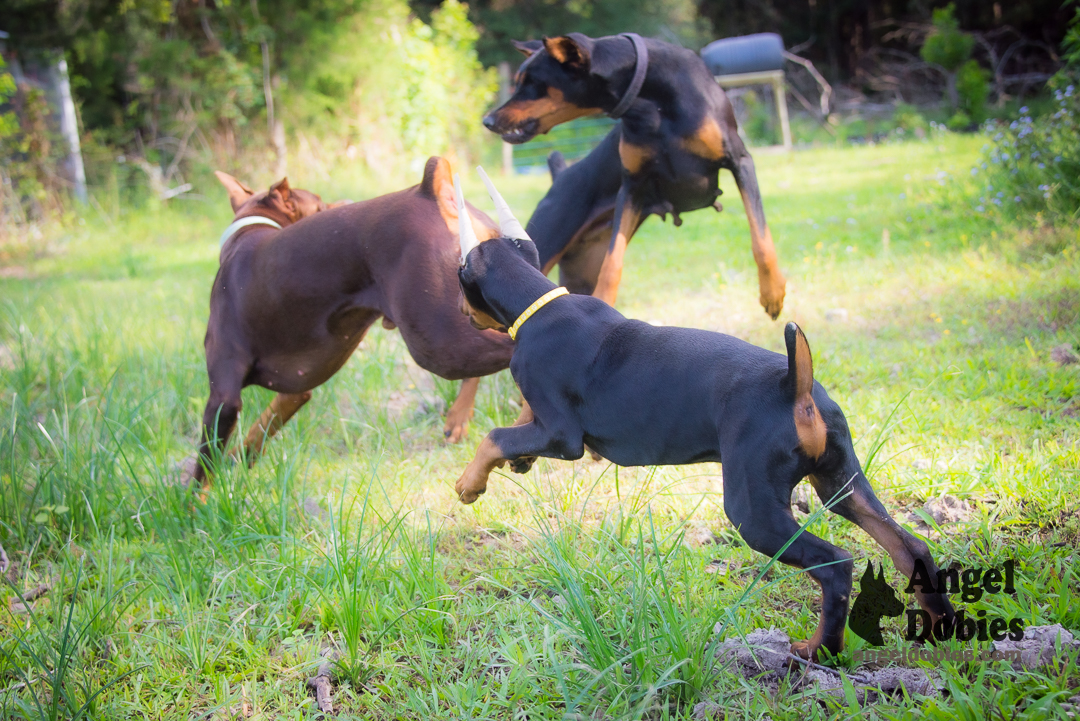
(180, 87)
(949, 49)
(1031, 167)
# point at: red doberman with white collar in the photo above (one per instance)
(300, 283)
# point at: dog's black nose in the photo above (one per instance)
(489, 122)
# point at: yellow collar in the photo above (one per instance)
(540, 303)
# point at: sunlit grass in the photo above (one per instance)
(570, 589)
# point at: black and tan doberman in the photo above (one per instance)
(676, 131)
(643, 396)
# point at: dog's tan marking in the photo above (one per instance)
(809, 425)
(473, 481)
(707, 141)
(277, 414)
(479, 319)
(607, 285)
(461, 412)
(438, 183)
(566, 51)
(633, 156)
(772, 284)
(550, 110)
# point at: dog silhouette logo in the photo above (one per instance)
(876, 599)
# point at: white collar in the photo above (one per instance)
(243, 223)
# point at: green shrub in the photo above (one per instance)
(398, 89)
(966, 85)
(972, 87)
(947, 45)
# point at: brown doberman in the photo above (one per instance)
(677, 131)
(300, 284)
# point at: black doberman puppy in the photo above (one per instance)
(641, 395)
(677, 131)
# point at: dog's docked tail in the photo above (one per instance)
(808, 421)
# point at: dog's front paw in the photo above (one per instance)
(773, 286)
(470, 486)
(523, 464)
(806, 650)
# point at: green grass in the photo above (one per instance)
(573, 591)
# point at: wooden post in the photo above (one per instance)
(781, 109)
(504, 95)
(774, 78)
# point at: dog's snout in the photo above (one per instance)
(489, 121)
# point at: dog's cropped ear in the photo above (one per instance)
(281, 188)
(809, 424)
(569, 51)
(438, 184)
(527, 48)
(238, 192)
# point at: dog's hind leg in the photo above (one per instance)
(760, 507)
(461, 412)
(219, 420)
(276, 415)
(864, 509)
(627, 215)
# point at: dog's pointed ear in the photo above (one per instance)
(881, 574)
(570, 51)
(438, 184)
(809, 424)
(282, 188)
(528, 48)
(238, 192)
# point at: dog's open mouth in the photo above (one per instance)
(523, 133)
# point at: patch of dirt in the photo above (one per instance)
(946, 511)
(765, 657)
(1064, 355)
(698, 534)
(1039, 646)
(455, 544)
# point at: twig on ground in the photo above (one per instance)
(35, 593)
(320, 684)
(17, 686)
(22, 605)
(819, 667)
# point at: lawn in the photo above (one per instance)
(579, 590)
